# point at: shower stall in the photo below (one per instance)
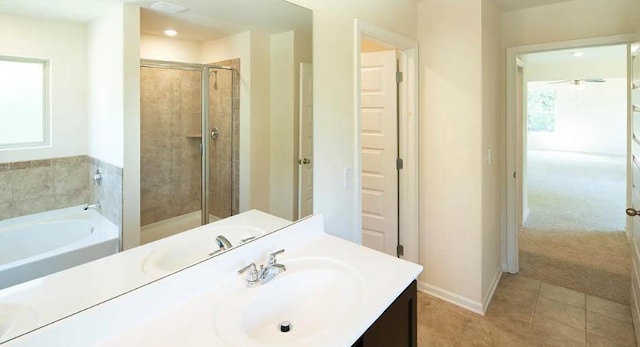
(189, 145)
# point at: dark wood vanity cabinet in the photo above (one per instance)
(397, 326)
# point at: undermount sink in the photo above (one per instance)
(16, 319)
(252, 316)
(184, 252)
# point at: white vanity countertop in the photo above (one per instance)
(180, 310)
(65, 292)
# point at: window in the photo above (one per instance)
(24, 95)
(541, 108)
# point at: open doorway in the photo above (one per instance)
(574, 176)
(385, 172)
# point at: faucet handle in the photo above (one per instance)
(252, 277)
(272, 256)
(251, 266)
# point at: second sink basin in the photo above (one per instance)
(252, 316)
(181, 253)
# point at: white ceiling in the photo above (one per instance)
(589, 53)
(513, 5)
(205, 19)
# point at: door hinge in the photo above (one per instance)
(399, 164)
(514, 174)
(400, 250)
(398, 76)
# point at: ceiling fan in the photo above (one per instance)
(580, 81)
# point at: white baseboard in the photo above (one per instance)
(494, 284)
(525, 215)
(450, 297)
(458, 300)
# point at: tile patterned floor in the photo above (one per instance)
(527, 312)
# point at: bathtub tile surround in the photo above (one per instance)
(109, 191)
(30, 187)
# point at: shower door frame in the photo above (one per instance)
(205, 72)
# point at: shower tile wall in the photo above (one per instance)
(30, 187)
(224, 113)
(109, 192)
(170, 143)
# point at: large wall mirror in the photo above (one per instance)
(223, 127)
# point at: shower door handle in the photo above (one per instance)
(215, 132)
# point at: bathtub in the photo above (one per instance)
(40, 244)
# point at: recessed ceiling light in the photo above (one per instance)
(170, 32)
(577, 54)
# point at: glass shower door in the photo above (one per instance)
(171, 118)
(223, 127)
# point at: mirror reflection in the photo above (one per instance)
(224, 123)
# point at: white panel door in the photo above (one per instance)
(305, 172)
(379, 150)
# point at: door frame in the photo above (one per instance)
(302, 67)
(408, 129)
(512, 185)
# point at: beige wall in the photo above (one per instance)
(492, 170)
(114, 105)
(334, 97)
(106, 75)
(451, 147)
(571, 20)
(170, 49)
(258, 188)
(460, 100)
(282, 88)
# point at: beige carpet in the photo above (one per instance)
(596, 263)
(573, 237)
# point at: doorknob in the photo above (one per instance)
(215, 132)
(632, 212)
(304, 161)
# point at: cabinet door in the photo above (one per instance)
(397, 326)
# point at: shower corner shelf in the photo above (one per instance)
(194, 136)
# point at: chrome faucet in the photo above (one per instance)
(223, 244)
(95, 206)
(256, 276)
